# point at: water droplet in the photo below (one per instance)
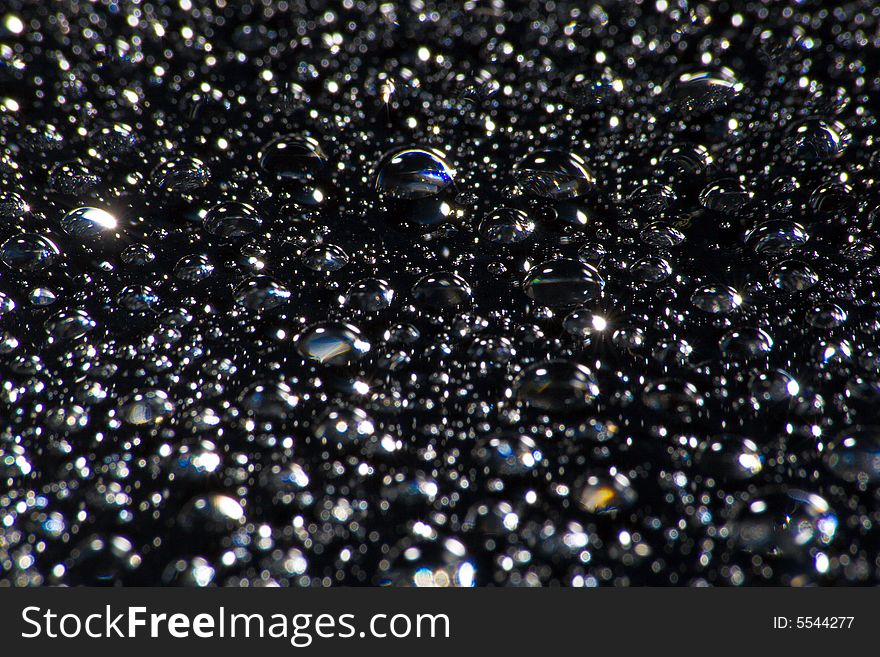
(137, 297)
(793, 276)
(413, 173)
(784, 521)
(340, 426)
(268, 401)
(563, 282)
(507, 226)
(232, 219)
(369, 294)
(184, 174)
(716, 299)
(777, 236)
(88, 222)
(508, 454)
(725, 195)
(261, 293)
(332, 343)
(854, 454)
(815, 139)
(294, 159)
(554, 174)
(729, 457)
(443, 290)
(193, 268)
(557, 386)
(325, 257)
(705, 90)
(746, 343)
(69, 324)
(148, 407)
(29, 252)
(601, 494)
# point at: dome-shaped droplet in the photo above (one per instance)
(563, 282)
(332, 343)
(72, 178)
(815, 139)
(88, 222)
(429, 564)
(7, 304)
(685, 162)
(746, 343)
(771, 388)
(854, 454)
(232, 219)
(137, 297)
(553, 174)
(716, 299)
(705, 90)
(101, 560)
(508, 454)
(793, 276)
(148, 407)
(12, 205)
(443, 290)
(661, 235)
(69, 324)
(183, 174)
(826, 316)
(674, 398)
(294, 158)
(193, 268)
(212, 514)
(261, 293)
(725, 195)
(572, 213)
(325, 257)
(137, 255)
(506, 226)
(342, 426)
(604, 493)
(651, 269)
(585, 323)
(556, 386)
(652, 199)
(114, 140)
(413, 173)
(777, 236)
(369, 294)
(729, 457)
(268, 400)
(29, 252)
(783, 521)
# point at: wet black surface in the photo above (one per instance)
(439, 294)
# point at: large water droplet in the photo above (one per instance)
(332, 343)
(815, 139)
(29, 252)
(232, 219)
(88, 222)
(554, 174)
(557, 386)
(443, 290)
(705, 90)
(506, 226)
(563, 282)
(854, 454)
(413, 173)
(293, 157)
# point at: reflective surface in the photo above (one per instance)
(439, 294)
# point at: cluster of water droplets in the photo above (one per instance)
(439, 294)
